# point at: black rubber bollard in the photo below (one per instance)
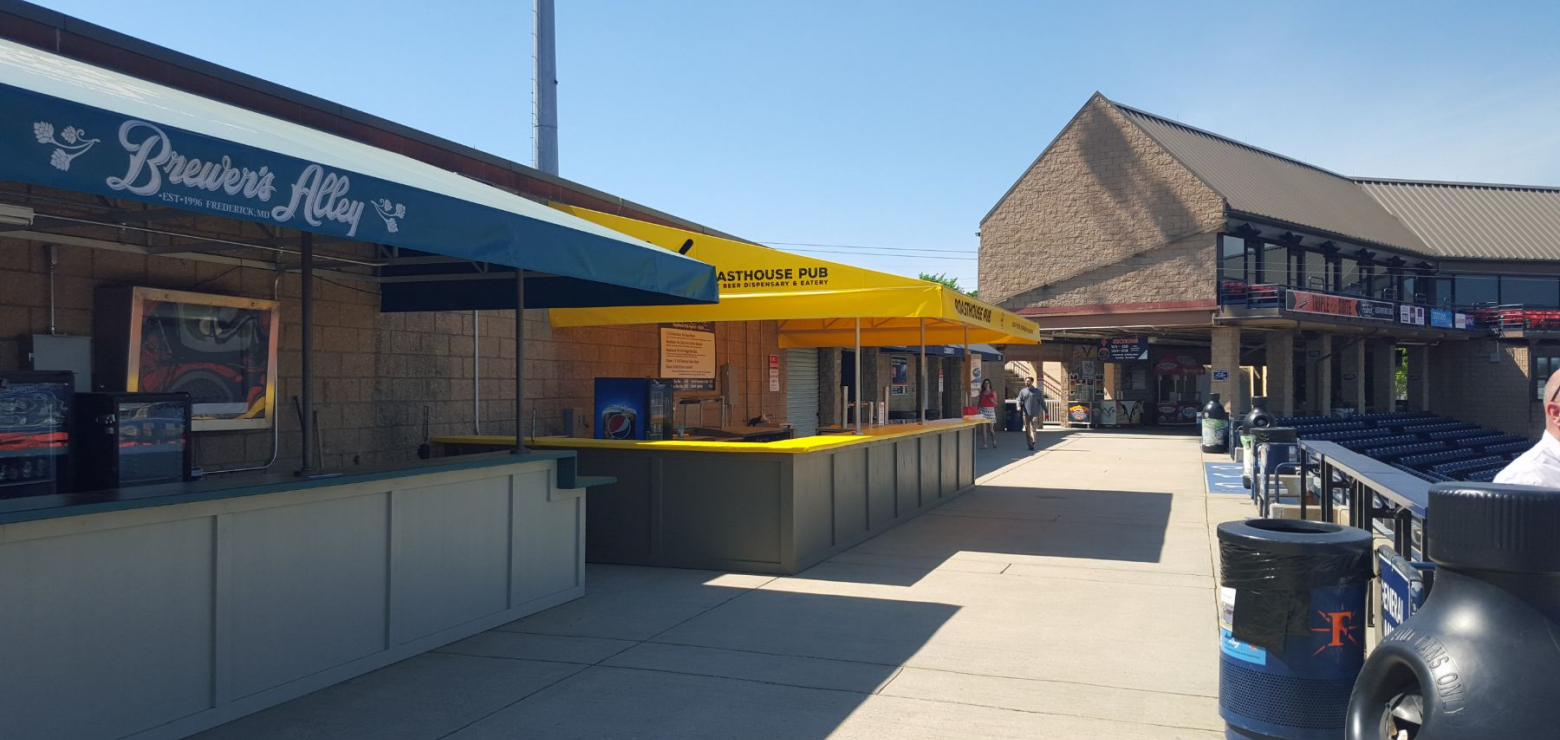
(1481, 658)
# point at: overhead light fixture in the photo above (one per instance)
(16, 215)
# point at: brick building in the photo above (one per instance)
(1239, 271)
(378, 373)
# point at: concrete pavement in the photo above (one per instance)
(1069, 595)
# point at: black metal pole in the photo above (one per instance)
(307, 365)
(519, 361)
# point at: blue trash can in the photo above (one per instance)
(1291, 626)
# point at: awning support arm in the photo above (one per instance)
(306, 404)
(856, 391)
(923, 394)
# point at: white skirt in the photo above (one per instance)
(989, 413)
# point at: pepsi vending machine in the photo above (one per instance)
(633, 408)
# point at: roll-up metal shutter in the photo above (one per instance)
(801, 390)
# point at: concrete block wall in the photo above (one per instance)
(1486, 382)
(375, 372)
(1280, 359)
(1105, 216)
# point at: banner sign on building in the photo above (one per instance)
(1460, 321)
(688, 355)
(1414, 315)
(1378, 310)
(1336, 305)
(1123, 349)
(1441, 318)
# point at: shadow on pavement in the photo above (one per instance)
(652, 653)
(1121, 526)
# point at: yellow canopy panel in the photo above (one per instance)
(815, 301)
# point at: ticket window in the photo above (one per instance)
(1183, 388)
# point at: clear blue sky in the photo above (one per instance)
(898, 123)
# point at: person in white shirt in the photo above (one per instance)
(1540, 466)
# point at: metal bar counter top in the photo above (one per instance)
(180, 607)
(765, 507)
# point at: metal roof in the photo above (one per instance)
(1257, 182)
(1475, 220)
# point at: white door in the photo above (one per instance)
(801, 390)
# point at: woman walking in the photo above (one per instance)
(988, 411)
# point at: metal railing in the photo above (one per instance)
(1517, 318)
(1373, 495)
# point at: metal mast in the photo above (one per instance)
(544, 111)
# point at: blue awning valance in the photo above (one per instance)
(70, 125)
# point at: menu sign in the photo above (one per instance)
(1336, 305)
(688, 355)
(1123, 349)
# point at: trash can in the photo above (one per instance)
(1257, 418)
(1291, 626)
(1479, 659)
(1214, 422)
(1270, 448)
(1011, 419)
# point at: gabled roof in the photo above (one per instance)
(1475, 220)
(1257, 182)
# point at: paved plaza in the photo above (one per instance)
(1069, 595)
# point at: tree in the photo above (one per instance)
(952, 283)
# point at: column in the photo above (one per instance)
(1381, 356)
(1311, 350)
(1419, 378)
(1226, 360)
(1321, 373)
(1280, 358)
(1351, 359)
(872, 366)
(829, 394)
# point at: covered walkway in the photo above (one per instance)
(1070, 595)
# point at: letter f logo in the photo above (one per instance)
(1339, 627)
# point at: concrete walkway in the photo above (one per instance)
(1069, 596)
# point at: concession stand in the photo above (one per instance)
(176, 603)
(711, 500)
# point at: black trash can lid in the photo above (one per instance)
(1295, 537)
(1490, 526)
(1260, 435)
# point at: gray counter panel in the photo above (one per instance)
(850, 493)
(765, 512)
(882, 476)
(176, 617)
(908, 480)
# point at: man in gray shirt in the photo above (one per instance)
(1031, 406)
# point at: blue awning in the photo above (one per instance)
(70, 125)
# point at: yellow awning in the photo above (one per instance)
(815, 301)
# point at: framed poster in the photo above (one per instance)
(899, 372)
(219, 349)
(688, 355)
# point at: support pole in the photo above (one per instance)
(519, 361)
(306, 405)
(969, 373)
(857, 391)
(921, 412)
